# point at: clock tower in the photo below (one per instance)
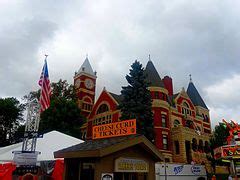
(85, 84)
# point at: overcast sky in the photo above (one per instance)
(184, 37)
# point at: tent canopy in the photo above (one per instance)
(51, 141)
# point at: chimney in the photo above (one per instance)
(168, 84)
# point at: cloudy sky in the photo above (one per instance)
(184, 37)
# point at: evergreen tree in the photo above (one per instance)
(137, 101)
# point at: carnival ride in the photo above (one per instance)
(230, 153)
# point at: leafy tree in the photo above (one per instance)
(137, 102)
(11, 114)
(18, 133)
(63, 114)
(220, 134)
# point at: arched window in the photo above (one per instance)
(206, 147)
(186, 109)
(185, 105)
(194, 144)
(200, 146)
(177, 149)
(103, 108)
(189, 124)
(176, 123)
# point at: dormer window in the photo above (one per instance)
(103, 108)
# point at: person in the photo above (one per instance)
(213, 177)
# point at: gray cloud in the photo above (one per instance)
(197, 37)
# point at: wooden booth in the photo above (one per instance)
(120, 158)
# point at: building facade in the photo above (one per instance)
(181, 120)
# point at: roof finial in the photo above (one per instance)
(149, 57)
(190, 77)
(87, 56)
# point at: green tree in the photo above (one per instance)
(220, 134)
(63, 114)
(219, 138)
(137, 101)
(11, 114)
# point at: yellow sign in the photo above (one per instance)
(121, 128)
(130, 165)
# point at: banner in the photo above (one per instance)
(121, 128)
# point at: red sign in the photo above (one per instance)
(121, 128)
(227, 152)
(231, 151)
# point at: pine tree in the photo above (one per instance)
(137, 101)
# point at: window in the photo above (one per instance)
(186, 109)
(86, 107)
(164, 97)
(164, 120)
(105, 119)
(103, 108)
(200, 146)
(177, 150)
(194, 144)
(185, 105)
(156, 95)
(207, 147)
(189, 123)
(165, 142)
(176, 123)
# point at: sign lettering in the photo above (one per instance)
(121, 128)
(130, 165)
(196, 170)
(178, 169)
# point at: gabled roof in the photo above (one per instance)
(195, 96)
(117, 97)
(152, 76)
(104, 147)
(86, 68)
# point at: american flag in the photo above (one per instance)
(44, 82)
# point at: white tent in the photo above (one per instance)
(52, 141)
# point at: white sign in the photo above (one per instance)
(107, 176)
(25, 158)
(180, 170)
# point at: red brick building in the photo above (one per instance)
(181, 120)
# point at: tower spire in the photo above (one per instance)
(86, 67)
(190, 76)
(149, 57)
